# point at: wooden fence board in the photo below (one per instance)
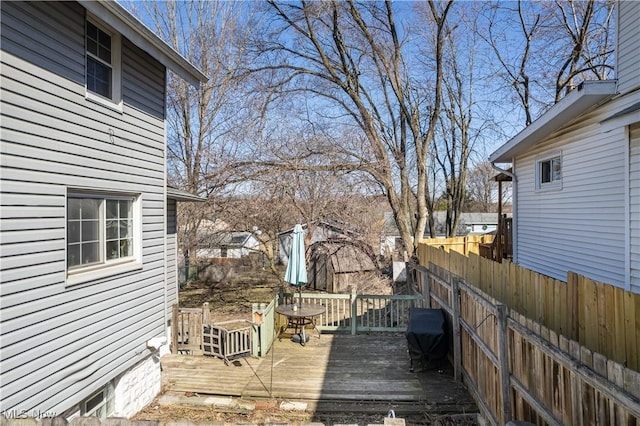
(634, 306)
(601, 315)
(610, 324)
(573, 327)
(588, 314)
(617, 324)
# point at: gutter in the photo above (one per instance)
(514, 204)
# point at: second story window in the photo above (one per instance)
(99, 65)
(102, 63)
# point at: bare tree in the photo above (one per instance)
(455, 136)
(481, 187)
(352, 56)
(515, 68)
(205, 124)
(587, 48)
(278, 200)
(542, 48)
(264, 213)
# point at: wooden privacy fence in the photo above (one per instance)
(464, 245)
(602, 317)
(517, 369)
(360, 312)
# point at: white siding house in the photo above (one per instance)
(83, 232)
(227, 244)
(576, 172)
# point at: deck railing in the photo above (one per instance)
(353, 313)
(502, 245)
(360, 313)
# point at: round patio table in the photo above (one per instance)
(300, 315)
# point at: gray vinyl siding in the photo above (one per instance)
(582, 227)
(138, 88)
(172, 272)
(634, 199)
(61, 342)
(172, 255)
(628, 55)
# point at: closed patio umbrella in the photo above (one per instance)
(296, 273)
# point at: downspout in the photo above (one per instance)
(514, 215)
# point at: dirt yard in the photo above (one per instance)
(232, 296)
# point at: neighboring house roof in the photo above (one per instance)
(586, 96)
(135, 31)
(233, 239)
(180, 195)
(390, 228)
(470, 218)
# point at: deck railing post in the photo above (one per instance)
(455, 320)
(206, 314)
(503, 358)
(255, 336)
(354, 310)
(174, 329)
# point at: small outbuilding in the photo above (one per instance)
(336, 266)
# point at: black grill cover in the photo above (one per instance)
(426, 335)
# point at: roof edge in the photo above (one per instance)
(139, 34)
(587, 95)
(180, 195)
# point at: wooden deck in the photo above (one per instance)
(337, 368)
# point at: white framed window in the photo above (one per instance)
(549, 172)
(102, 68)
(103, 231)
(100, 404)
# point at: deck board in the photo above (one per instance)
(336, 367)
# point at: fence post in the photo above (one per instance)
(174, 329)
(354, 310)
(425, 281)
(255, 336)
(503, 358)
(413, 285)
(455, 319)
